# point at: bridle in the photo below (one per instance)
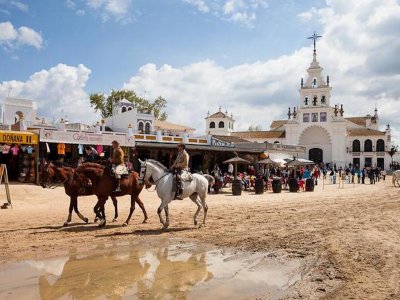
(142, 178)
(49, 184)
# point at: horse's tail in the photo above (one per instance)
(210, 179)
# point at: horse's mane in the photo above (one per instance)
(157, 163)
(91, 165)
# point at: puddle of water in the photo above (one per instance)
(132, 271)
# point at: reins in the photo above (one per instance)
(157, 181)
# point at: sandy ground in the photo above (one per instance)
(348, 238)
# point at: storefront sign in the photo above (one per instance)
(286, 148)
(16, 137)
(85, 138)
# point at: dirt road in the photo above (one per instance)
(348, 238)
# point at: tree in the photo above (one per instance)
(255, 128)
(104, 104)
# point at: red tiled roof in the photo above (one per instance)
(278, 123)
(364, 132)
(260, 134)
(230, 139)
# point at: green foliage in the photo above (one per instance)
(104, 104)
(255, 128)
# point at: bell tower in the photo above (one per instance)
(315, 91)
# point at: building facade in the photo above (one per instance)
(219, 123)
(321, 127)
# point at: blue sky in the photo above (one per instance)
(160, 31)
(246, 55)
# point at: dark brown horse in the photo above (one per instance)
(103, 185)
(53, 175)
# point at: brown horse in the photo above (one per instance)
(64, 175)
(103, 184)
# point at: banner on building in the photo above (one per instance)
(85, 138)
(286, 148)
(18, 137)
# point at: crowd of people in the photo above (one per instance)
(351, 174)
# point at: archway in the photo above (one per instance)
(318, 143)
(316, 155)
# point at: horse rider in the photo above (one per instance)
(117, 161)
(181, 164)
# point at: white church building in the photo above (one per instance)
(321, 127)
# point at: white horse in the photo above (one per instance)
(396, 178)
(196, 189)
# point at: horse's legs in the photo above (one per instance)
(166, 210)
(71, 207)
(131, 210)
(195, 199)
(115, 202)
(96, 210)
(205, 207)
(163, 204)
(140, 203)
(75, 201)
(102, 210)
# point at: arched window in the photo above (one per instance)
(212, 125)
(368, 146)
(356, 146)
(140, 127)
(123, 109)
(276, 142)
(380, 145)
(147, 128)
(130, 108)
(221, 124)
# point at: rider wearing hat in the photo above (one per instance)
(117, 161)
(181, 164)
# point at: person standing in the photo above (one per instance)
(230, 169)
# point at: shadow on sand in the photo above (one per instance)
(158, 231)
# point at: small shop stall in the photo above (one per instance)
(19, 151)
(68, 146)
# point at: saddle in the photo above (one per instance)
(186, 176)
(120, 170)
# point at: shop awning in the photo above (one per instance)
(18, 137)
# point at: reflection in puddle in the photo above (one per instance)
(168, 271)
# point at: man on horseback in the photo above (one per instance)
(117, 161)
(181, 164)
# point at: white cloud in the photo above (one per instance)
(80, 12)
(21, 6)
(70, 4)
(359, 51)
(307, 16)
(11, 37)
(118, 10)
(28, 36)
(243, 12)
(59, 90)
(199, 4)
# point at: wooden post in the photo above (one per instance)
(4, 174)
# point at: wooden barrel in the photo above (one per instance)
(293, 185)
(310, 185)
(276, 185)
(236, 187)
(259, 186)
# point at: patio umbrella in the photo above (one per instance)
(268, 161)
(236, 160)
(297, 163)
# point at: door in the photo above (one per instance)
(316, 155)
